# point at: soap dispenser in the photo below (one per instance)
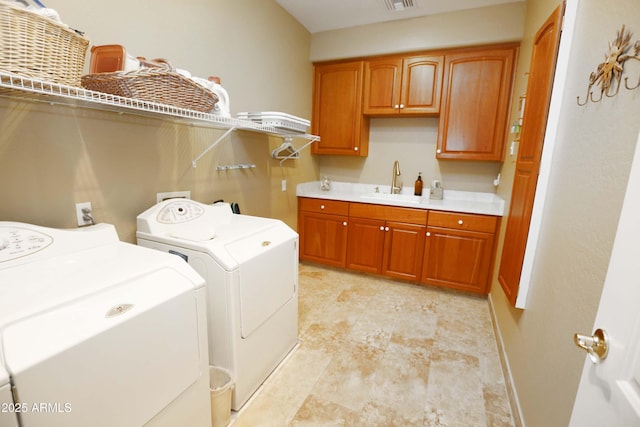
(417, 188)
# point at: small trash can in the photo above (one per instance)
(220, 389)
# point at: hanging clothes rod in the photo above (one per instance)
(287, 150)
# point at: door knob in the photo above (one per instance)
(596, 345)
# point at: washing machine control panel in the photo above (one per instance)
(179, 211)
(17, 242)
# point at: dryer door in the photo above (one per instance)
(268, 274)
(115, 358)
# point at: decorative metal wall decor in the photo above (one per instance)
(608, 75)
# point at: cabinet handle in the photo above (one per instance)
(438, 151)
(386, 229)
(344, 223)
(355, 148)
(401, 105)
(428, 234)
(396, 106)
(322, 207)
(460, 221)
(381, 228)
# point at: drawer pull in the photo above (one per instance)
(344, 223)
(322, 207)
(460, 221)
(428, 234)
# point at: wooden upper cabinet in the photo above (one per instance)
(475, 103)
(337, 109)
(403, 85)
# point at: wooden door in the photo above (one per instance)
(337, 110)
(475, 104)
(365, 245)
(421, 85)
(382, 84)
(323, 238)
(403, 250)
(458, 259)
(538, 97)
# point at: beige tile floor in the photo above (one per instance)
(375, 352)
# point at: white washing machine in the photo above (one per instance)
(98, 332)
(250, 265)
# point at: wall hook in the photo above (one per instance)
(608, 74)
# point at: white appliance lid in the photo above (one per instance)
(229, 227)
(185, 219)
(32, 287)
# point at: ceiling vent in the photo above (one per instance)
(398, 5)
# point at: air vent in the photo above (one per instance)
(398, 5)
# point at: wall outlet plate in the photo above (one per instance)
(173, 195)
(80, 214)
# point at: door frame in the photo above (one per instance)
(558, 97)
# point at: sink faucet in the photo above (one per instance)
(396, 182)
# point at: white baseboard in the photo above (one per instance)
(512, 394)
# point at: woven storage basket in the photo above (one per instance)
(155, 85)
(40, 48)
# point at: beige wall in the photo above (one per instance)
(412, 141)
(53, 156)
(492, 24)
(590, 167)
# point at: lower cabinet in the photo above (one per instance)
(385, 247)
(459, 251)
(366, 245)
(322, 226)
(452, 250)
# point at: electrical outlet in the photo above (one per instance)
(81, 211)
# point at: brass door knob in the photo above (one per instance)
(597, 345)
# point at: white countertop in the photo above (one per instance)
(455, 201)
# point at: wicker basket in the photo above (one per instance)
(36, 47)
(155, 85)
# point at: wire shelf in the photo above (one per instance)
(15, 86)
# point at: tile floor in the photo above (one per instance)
(375, 352)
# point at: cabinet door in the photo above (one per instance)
(403, 249)
(458, 259)
(475, 104)
(337, 110)
(421, 85)
(365, 244)
(323, 238)
(382, 84)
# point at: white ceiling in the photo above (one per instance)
(323, 15)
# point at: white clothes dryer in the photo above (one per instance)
(98, 332)
(250, 265)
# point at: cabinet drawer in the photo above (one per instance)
(388, 213)
(335, 207)
(460, 221)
